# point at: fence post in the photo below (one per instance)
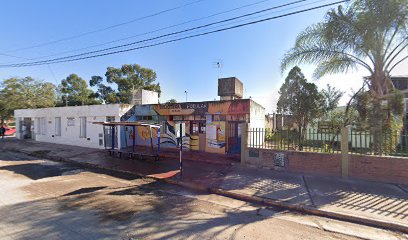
(344, 152)
(244, 142)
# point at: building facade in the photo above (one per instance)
(71, 125)
(211, 126)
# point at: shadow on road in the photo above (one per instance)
(37, 171)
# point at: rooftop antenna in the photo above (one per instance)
(218, 64)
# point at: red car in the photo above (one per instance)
(9, 131)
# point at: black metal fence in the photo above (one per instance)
(394, 143)
(328, 141)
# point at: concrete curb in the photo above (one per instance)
(239, 196)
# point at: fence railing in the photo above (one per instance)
(328, 141)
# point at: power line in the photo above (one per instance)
(173, 33)
(145, 33)
(105, 28)
(48, 65)
(13, 56)
(175, 40)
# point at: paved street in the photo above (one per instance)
(41, 199)
(382, 202)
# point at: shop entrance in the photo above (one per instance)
(198, 135)
(234, 138)
(26, 127)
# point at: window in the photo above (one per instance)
(82, 127)
(194, 128)
(110, 118)
(202, 127)
(57, 126)
(199, 117)
(406, 104)
(188, 117)
(37, 125)
(41, 126)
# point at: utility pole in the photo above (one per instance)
(181, 150)
(186, 95)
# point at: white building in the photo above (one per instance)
(71, 125)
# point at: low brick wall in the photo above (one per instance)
(315, 163)
(382, 169)
(300, 162)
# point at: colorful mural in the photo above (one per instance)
(229, 107)
(169, 138)
(215, 137)
(141, 134)
(215, 131)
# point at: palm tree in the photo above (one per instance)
(368, 34)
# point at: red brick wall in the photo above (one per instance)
(305, 162)
(382, 169)
(314, 163)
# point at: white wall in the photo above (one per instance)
(149, 97)
(257, 115)
(70, 134)
(145, 97)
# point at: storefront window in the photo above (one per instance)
(202, 127)
(199, 117)
(188, 117)
(195, 128)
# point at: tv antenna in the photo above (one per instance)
(218, 64)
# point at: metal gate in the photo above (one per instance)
(107, 133)
(233, 138)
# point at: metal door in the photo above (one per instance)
(26, 127)
(234, 138)
(107, 133)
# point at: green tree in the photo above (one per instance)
(301, 100)
(391, 117)
(132, 77)
(74, 91)
(331, 97)
(369, 34)
(104, 93)
(172, 101)
(20, 93)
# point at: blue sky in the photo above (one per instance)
(251, 53)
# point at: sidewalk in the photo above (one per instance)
(385, 203)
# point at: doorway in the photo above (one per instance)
(26, 128)
(234, 138)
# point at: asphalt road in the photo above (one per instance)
(41, 199)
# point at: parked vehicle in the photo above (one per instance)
(9, 131)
